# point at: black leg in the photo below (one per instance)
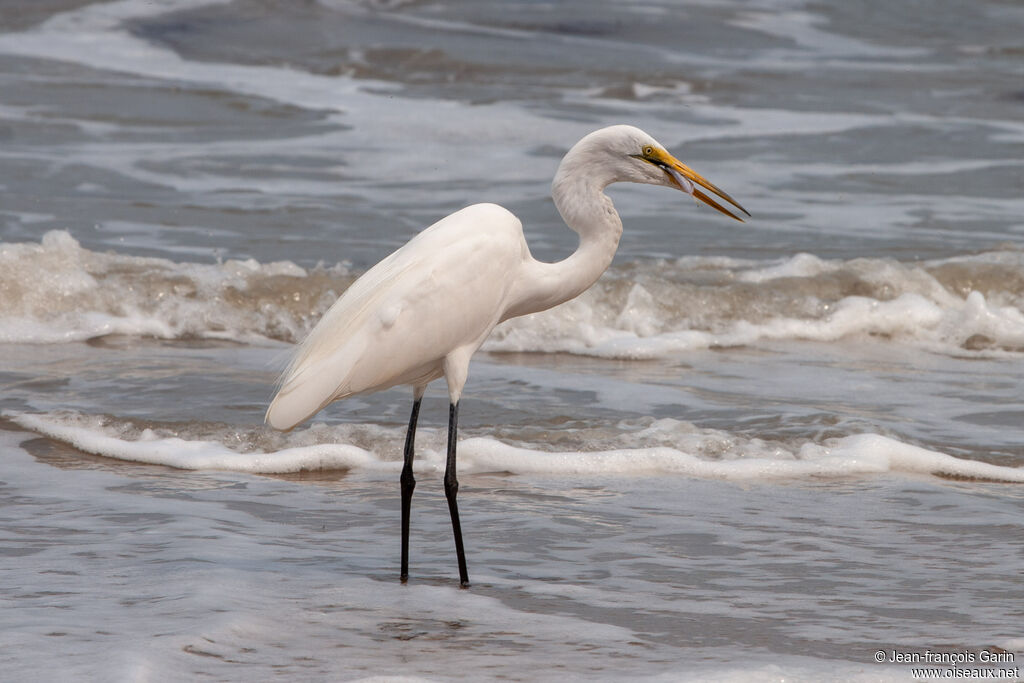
(451, 490)
(408, 484)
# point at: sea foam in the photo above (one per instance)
(697, 453)
(58, 291)
(651, 310)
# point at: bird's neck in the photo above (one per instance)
(589, 212)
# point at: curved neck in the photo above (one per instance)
(587, 210)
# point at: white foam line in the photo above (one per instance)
(853, 455)
(202, 455)
(859, 454)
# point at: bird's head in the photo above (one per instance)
(637, 157)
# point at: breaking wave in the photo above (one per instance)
(58, 291)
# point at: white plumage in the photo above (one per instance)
(400, 321)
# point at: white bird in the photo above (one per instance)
(423, 311)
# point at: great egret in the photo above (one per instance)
(424, 310)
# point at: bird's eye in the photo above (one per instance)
(648, 151)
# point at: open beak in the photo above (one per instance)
(687, 180)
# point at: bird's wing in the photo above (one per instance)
(443, 290)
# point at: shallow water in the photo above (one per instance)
(751, 452)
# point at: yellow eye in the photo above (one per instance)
(648, 151)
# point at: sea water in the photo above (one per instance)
(766, 451)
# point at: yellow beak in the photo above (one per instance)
(685, 178)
